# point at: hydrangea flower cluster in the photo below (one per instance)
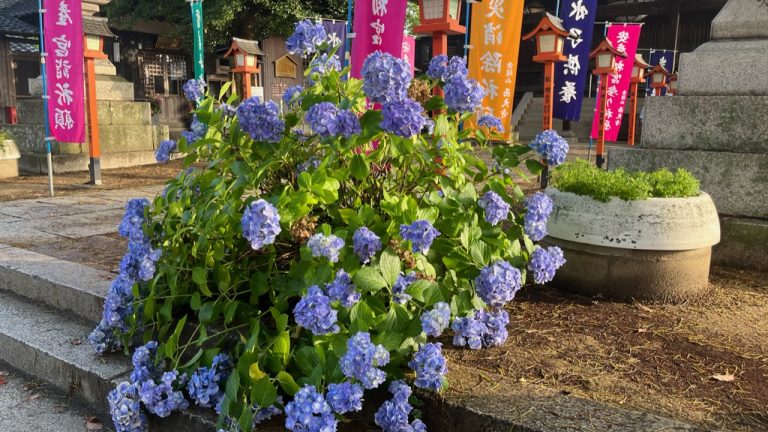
(481, 329)
(260, 120)
(363, 359)
(323, 64)
(496, 209)
(261, 415)
(498, 283)
(491, 122)
(164, 150)
(197, 130)
(327, 120)
(552, 147)
(343, 290)
(401, 284)
(205, 384)
(349, 124)
(436, 320)
(429, 365)
(194, 90)
(119, 302)
(306, 38)
(292, 96)
(538, 208)
(545, 262)
(314, 312)
(443, 69)
(260, 223)
(385, 78)
(125, 408)
(463, 94)
(143, 361)
(309, 412)
(322, 245)
(312, 162)
(160, 399)
(421, 234)
(404, 118)
(393, 414)
(227, 110)
(366, 244)
(345, 397)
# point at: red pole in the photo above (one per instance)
(439, 43)
(601, 131)
(657, 91)
(246, 85)
(94, 147)
(632, 113)
(549, 83)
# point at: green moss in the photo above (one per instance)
(583, 178)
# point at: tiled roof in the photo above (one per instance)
(11, 12)
(15, 26)
(96, 26)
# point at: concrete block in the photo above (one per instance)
(9, 168)
(81, 226)
(107, 88)
(126, 113)
(729, 67)
(736, 181)
(22, 232)
(744, 243)
(730, 123)
(741, 19)
(127, 138)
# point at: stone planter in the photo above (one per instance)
(655, 250)
(9, 159)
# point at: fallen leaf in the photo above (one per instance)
(644, 308)
(33, 396)
(3, 381)
(93, 424)
(726, 377)
(76, 341)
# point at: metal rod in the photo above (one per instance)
(43, 77)
(347, 40)
(466, 35)
(677, 39)
(557, 9)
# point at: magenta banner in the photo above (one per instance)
(63, 29)
(624, 38)
(409, 51)
(378, 26)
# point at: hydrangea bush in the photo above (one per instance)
(303, 258)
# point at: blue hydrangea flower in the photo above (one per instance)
(322, 118)
(421, 234)
(345, 397)
(140, 260)
(393, 414)
(495, 326)
(309, 412)
(164, 150)
(143, 363)
(314, 312)
(362, 360)
(496, 209)
(468, 331)
(227, 110)
(197, 130)
(292, 96)
(498, 283)
(325, 246)
(545, 262)
(401, 284)
(463, 94)
(343, 290)
(385, 78)
(429, 365)
(366, 244)
(306, 38)
(160, 399)
(125, 409)
(261, 415)
(205, 384)
(491, 122)
(552, 147)
(321, 65)
(260, 223)
(133, 219)
(260, 120)
(538, 208)
(404, 117)
(436, 320)
(348, 123)
(443, 69)
(103, 339)
(312, 162)
(194, 90)
(118, 305)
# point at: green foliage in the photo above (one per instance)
(583, 178)
(5, 135)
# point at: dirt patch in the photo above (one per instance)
(102, 252)
(659, 359)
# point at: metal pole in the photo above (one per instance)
(43, 77)
(677, 39)
(348, 41)
(466, 25)
(557, 9)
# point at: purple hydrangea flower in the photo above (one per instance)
(491, 122)
(306, 38)
(260, 120)
(125, 409)
(495, 326)
(552, 147)
(227, 110)
(498, 283)
(349, 124)
(321, 65)
(538, 208)
(401, 284)
(481, 329)
(322, 118)
(205, 384)
(261, 415)
(436, 320)
(309, 412)
(197, 130)
(164, 150)
(144, 363)
(103, 339)
(404, 118)
(421, 234)
(312, 162)
(292, 96)
(366, 244)
(429, 365)
(343, 290)
(393, 414)
(118, 305)
(133, 219)
(325, 246)
(260, 223)
(194, 90)
(463, 94)
(160, 399)
(441, 68)
(496, 209)
(314, 312)
(362, 360)
(545, 262)
(385, 78)
(345, 397)
(140, 260)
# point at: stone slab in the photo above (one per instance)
(731, 123)
(21, 233)
(36, 163)
(105, 89)
(744, 244)
(741, 19)
(728, 67)
(42, 208)
(9, 168)
(81, 226)
(736, 181)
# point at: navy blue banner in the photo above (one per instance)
(337, 35)
(664, 58)
(571, 76)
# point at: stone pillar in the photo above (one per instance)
(717, 128)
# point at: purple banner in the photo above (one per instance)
(664, 58)
(378, 26)
(571, 76)
(337, 35)
(63, 39)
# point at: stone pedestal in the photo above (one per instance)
(717, 128)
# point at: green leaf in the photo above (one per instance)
(282, 346)
(534, 166)
(369, 279)
(417, 289)
(254, 372)
(434, 103)
(360, 169)
(361, 317)
(206, 312)
(232, 387)
(287, 383)
(194, 301)
(224, 89)
(263, 392)
(389, 265)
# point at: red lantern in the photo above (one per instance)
(245, 54)
(672, 84)
(439, 18)
(638, 76)
(659, 76)
(605, 64)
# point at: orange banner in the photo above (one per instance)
(495, 45)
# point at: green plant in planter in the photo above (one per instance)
(4, 135)
(304, 258)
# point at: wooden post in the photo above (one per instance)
(94, 148)
(632, 113)
(246, 85)
(439, 43)
(601, 130)
(549, 83)
(657, 91)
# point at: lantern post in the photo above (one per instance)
(605, 64)
(439, 18)
(94, 29)
(245, 54)
(659, 76)
(638, 75)
(672, 89)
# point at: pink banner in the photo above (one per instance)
(409, 52)
(625, 38)
(63, 24)
(378, 26)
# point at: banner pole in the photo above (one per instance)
(467, 9)
(43, 77)
(196, 8)
(347, 40)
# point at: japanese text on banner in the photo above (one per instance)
(337, 34)
(378, 26)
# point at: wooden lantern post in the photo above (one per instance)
(638, 76)
(659, 76)
(605, 64)
(245, 54)
(672, 89)
(439, 18)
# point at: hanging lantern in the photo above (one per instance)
(639, 69)
(550, 39)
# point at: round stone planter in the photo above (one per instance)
(654, 250)
(9, 159)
